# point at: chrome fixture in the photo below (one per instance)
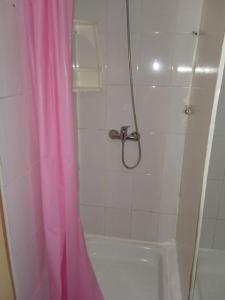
(195, 33)
(188, 110)
(123, 134)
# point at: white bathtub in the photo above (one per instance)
(130, 270)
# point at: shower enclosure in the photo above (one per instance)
(174, 53)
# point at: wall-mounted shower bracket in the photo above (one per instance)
(123, 134)
(188, 110)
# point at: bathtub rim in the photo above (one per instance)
(169, 257)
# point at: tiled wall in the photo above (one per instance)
(213, 228)
(19, 157)
(139, 204)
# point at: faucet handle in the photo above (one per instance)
(123, 132)
(114, 134)
(124, 128)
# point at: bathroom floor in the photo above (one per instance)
(129, 270)
(210, 279)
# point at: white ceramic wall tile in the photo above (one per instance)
(217, 161)
(177, 119)
(92, 149)
(135, 16)
(3, 147)
(113, 154)
(154, 184)
(91, 107)
(215, 192)
(170, 193)
(92, 187)
(220, 117)
(118, 190)
(144, 226)
(221, 211)
(167, 228)
(184, 46)
(25, 283)
(212, 199)
(18, 203)
(117, 222)
(207, 234)
(151, 143)
(32, 269)
(92, 219)
(10, 56)
(116, 15)
(199, 122)
(146, 192)
(205, 71)
(158, 16)
(13, 121)
(223, 81)
(119, 109)
(188, 15)
(117, 59)
(212, 18)
(149, 101)
(93, 11)
(153, 58)
(219, 241)
(174, 146)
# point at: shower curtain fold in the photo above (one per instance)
(48, 26)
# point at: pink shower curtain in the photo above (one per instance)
(48, 35)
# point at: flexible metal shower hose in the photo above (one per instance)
(132, 96)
